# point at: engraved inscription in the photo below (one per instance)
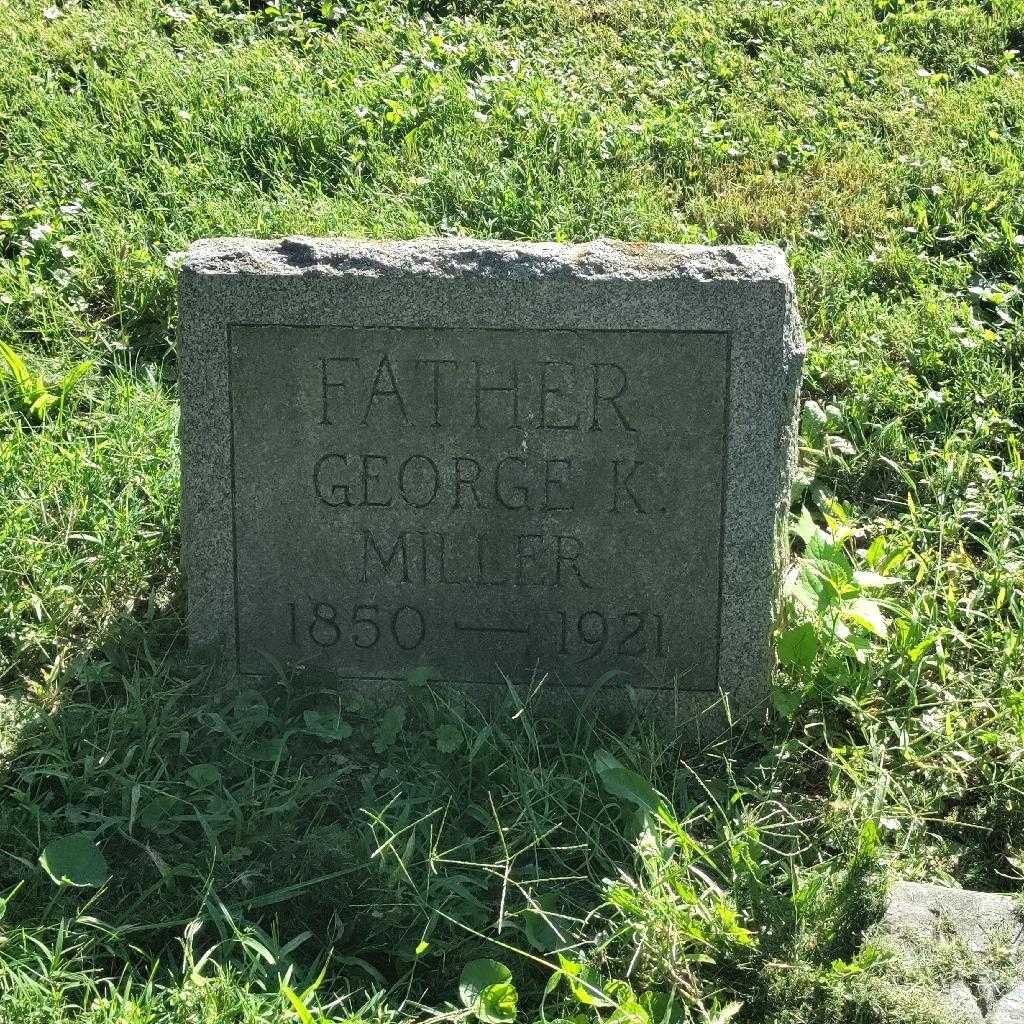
(485, 502)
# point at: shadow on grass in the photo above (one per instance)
(297, 828)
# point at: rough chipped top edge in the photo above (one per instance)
(447, 258)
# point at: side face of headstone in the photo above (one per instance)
(492, 459)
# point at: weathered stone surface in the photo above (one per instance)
(958, 1000)
(923, 913)
(978, 937)
(493, 459)
(1009, 1009)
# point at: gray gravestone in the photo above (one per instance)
(494, 459)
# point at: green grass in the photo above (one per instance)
(255, 837)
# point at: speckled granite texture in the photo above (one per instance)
(727, 314)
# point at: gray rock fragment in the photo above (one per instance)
(965, 948)
(921, 913)
(1009, 1009)
(961, 1004)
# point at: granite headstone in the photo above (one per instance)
(502, 461)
